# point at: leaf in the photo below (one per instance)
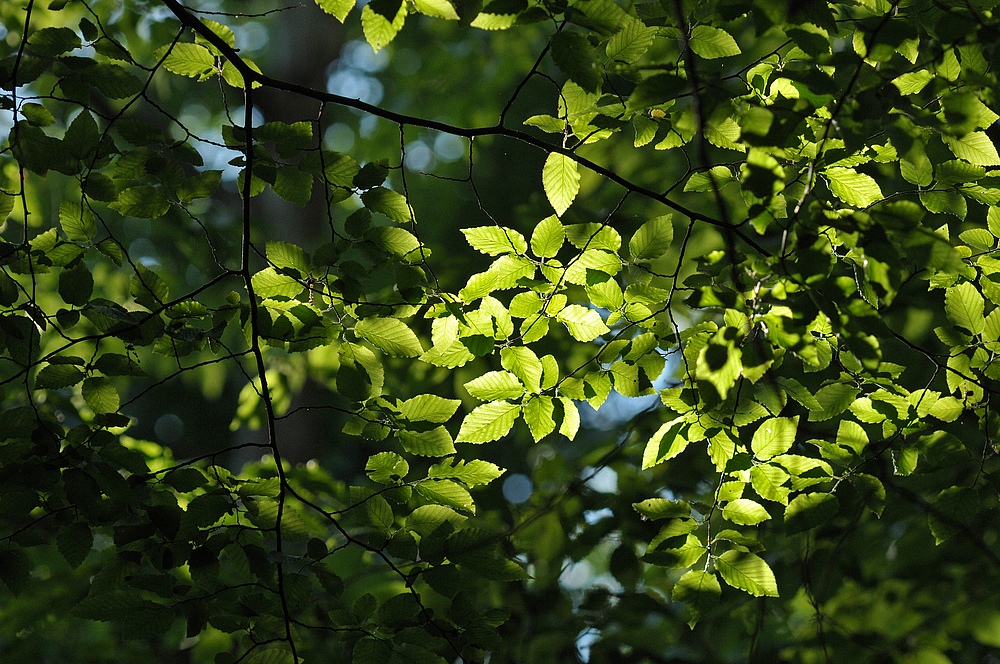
(631, 42)
(495, 240)
(53, 41)
(853, 188)
(437, 8)
(748, 572)
(711, 43)
(142, 202)
(471, 473)
(391, 335)
(495, 386)
(561, 181)
(699, 591)
(661, 508)
(548, 237)
(488, 422)
(448, 493)
(675, 441)
(56, 376)
(964, 307)
(547, 123)
(745, 512)
(774, 436)
(338, 8)
(571, 418)
(583, 324)
(523, 363)
(576, 58)
(74, 542)
(429, 408)
(101, 395)
(434, 443)
(538, 413)
(382, 21)
(975, 147)
(388, 202)
(653, 239)
(386, 468)
(810, 510)
(951, 202)
(188, 59)
(77, 223)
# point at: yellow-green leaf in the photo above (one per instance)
(561, 181)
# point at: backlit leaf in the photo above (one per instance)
(561, 181)
(488, 422)
(748, 572)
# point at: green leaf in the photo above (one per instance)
(77, 223)
(964, 307)
(56, 376)
(429, 408)
(774, 436)
(653, 239)
(711, 43)
(381, 21)
(665, 444)
(583, 324)
(538, 411)
(505, 273)
(101, 395)
(495, 240)
(523, 363)
(548, 237)
(576, 58)
(268, 283)
(661, 508)
(387, 468)
(293, 185)
(872, 491)
(975, 147)
(142, 202)
(471, 473)
(434, 443)
(853, 188)
(287, 255)
(396, 241)
(769, 482)
(53, 41)
(388, 202)
(631, 42)
(951, 202)
(437, 8)
(360, 375)
(717, 176)
(547, 123)
(810, 510)
(571, 418)
(192, 60)
(446, 492)
(561, 181)
(338, 8)
(391, 335)
(495, 386)
(488, 422)
(699, 591)
(745, 512)
(748, 572)
(74, 542)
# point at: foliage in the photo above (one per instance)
(779, 220)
